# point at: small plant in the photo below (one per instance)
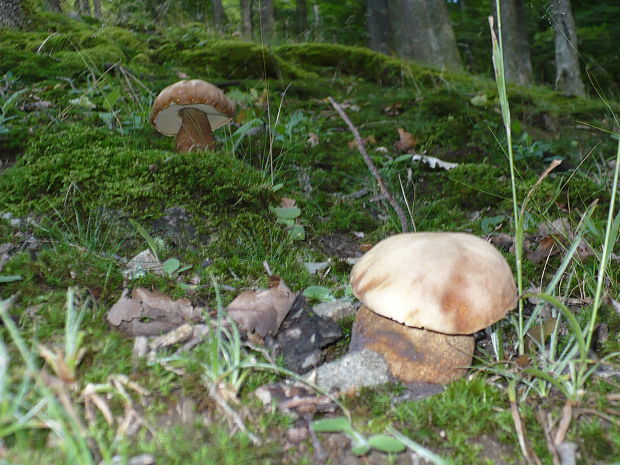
(7, 105)
(526, 148)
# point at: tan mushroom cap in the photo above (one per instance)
(452, 283)
(193, 93)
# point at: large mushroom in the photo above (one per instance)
(423, 296)
(191, 110)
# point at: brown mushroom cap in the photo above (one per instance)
(193, 93)
(452, 283)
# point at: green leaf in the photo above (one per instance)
(297, 233)
(331, 425)
(385, 443)
(319, 293)
(287, 213)
(10, 278)
(171, 265)
(361, 448)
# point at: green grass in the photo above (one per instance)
(84, 172)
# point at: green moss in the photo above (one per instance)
(241, 60)
(124, 39)
(81, 60)
(358, 61)
(118, 172)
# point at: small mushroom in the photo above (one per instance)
(191, 110)
(424, 294)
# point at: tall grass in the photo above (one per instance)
(561, 363)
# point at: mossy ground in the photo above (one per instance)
(87, 164)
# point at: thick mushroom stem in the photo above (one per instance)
(195, 133)
(412, 354)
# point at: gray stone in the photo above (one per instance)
(336, 310)
(353, 371)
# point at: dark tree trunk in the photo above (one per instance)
(246, 18)
(301, 10)
(53, 5)
(219, 15)
(515, 43)
(379, 25)
(97, 8)
(567, 72)
(12, 14)
(446, 42)
(422, 30)
(266, 20)
(82, 7)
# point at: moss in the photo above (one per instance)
(358, 61)
(82, 60)
(241, 60)
(124, 39)
(119, 172)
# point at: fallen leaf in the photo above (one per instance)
(313, 139)
(367, 140)
(407, 142)
(287, 203)
(394, 109)
(262, 311)
(434, 162)
(150, 313)
(547, 247)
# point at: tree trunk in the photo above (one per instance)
(567, 73)
(516, 45)
(12, 14)
(53, 5)
(219, 15)
(246, 18)
(446, 42)
(301, 10)
(266, 20)
(379, 25)
(97, 8)
(422, 31)
(82, 7)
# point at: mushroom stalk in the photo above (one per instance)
(195, 133)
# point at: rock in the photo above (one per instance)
(301, 336)
(336, 310)
(348, 374)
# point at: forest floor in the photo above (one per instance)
(86, 184)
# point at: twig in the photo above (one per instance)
(371, 166)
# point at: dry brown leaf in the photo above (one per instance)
(367, 140)
(547, 247)
(150, 313)
(287, 203)
(313, 139)
(261, 311)
(406, 143)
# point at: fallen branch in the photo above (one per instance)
(371, 166)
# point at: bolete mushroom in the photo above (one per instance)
(191, 110)
(423, 296)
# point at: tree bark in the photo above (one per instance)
(422, 31)
(82, 7)
(12, 14)
(567, 73)
(266, 20)
(219, 15)
(301, 10)
(53, 5)
(379, 25)
(97, 8)
(515, 43)
(246, 18)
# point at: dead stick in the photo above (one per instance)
(371, 166)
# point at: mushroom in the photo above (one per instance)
(423, 296)
(191, 110)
